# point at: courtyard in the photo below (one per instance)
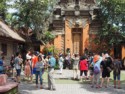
(65, 85)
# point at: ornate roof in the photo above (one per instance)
(7, 32)
(73, 9)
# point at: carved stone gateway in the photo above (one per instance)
(73, 19)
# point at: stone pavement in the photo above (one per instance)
(26, 88)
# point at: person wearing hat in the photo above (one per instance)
(97, 59)
(51, 65)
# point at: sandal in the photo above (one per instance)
(119, 88)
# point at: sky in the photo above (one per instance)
(11, 10)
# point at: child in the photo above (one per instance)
(117, 72)
(27, 70)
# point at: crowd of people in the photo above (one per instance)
(98, 66)
(34, 65)
(92, 67)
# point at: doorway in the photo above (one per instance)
(77, 40)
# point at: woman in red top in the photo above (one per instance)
(83, 66)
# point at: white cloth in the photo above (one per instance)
(28, 56)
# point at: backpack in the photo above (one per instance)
(117, 67)
(96, 70)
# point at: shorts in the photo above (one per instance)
(18, 72)
(85, 72)
(75, 67)
(91, 72)
(105, 74)
(117, 76)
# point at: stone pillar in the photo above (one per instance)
(85, 37)
(68, 37)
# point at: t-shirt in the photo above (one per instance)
(34, 60)
(1, 62)
(1, 66)
(104, 66)
(39, 66)
(76, 61)
(61, 60)
(17, 63)
(98, 63)
(52, 61)
(83, 65)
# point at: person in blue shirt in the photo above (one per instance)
(51, 65)
(1, 67)
(97, 70)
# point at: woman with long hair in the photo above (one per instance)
(39, 67)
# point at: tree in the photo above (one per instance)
(112, 15)
(2, 9)
(32, 14)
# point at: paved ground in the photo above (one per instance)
(66, 88)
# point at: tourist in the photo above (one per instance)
(106, 69)
(17, 66)
(75, 66)
(1, 66)
(45, 60)
(28, 55)
(39, 66)
(91, 68)
(117, 71)
(27, 70)
(60, 61)
(51, 65)
(21, 61)
(96, 74)
(68, 61)
(12, 64)
(83, 66)
(34, 61)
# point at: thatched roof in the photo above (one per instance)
(5, 31)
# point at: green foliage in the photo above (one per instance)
(32, 14)
(51, 49)
(113, 22)
(2, 8)
(48, 37)
(2, 5)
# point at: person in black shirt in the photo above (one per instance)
(106, 69)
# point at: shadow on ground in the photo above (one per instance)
(27, 88)
(109, 90)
